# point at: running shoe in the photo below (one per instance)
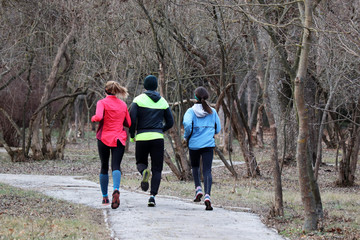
(145, 180)
(198, 195)
(105, 201)
(115, 199)
(151, 202)
(208, 203)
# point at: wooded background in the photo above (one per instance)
(290, 67)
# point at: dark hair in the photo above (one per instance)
(202, 94)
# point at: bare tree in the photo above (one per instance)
(262, 77)
(174, 132)
(60, 49)
(309, 190)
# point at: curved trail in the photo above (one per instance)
(170, 219)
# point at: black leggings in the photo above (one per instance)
(206, 155)
(117, 154)
(156, 150)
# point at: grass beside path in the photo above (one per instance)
(31, 215)
(341, 205)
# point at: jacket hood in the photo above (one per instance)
(199, 110)
(155, 96)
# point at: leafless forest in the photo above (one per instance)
(290, 67)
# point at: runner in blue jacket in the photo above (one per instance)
(201, 123)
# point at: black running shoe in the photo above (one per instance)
(105, 201)
(145, 180)
(115, 203)
(151, 202)
(208, 203)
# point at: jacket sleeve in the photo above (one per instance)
(187, 122)
(133, 117)
(169, 120)
(99, 112)
(127, 120)
(217, 122)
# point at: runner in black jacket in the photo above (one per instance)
(148, 112)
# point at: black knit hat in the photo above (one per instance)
(150, 83)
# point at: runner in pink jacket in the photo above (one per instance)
(112, 115)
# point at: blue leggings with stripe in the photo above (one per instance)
(117, 154)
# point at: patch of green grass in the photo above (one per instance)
(289, 232)
(31, 215)
(4, 157)
(344, 206)
(329, 156)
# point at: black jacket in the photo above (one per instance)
(148, 112)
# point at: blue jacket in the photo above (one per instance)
(203, 126)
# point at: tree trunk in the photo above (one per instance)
(259, 127)
(172, 166)
(321, 129)
(249, 157)
(223, 135)
(350, 146)
(232, 109)
(64, 119)
(180, 153)
(162, 78)
(51, 82)
(308, 200)
(227, 165)
(248, 102)
(310, 194)
(245, 135)
(263, 80)
(354, 157)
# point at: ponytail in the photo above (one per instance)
(122, 92)
(206, 106)
(114, 88)
(201, 95)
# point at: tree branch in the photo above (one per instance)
(57, 98)
(11, 121)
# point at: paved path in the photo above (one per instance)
(170, 219)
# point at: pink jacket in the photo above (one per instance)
(113, 115)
